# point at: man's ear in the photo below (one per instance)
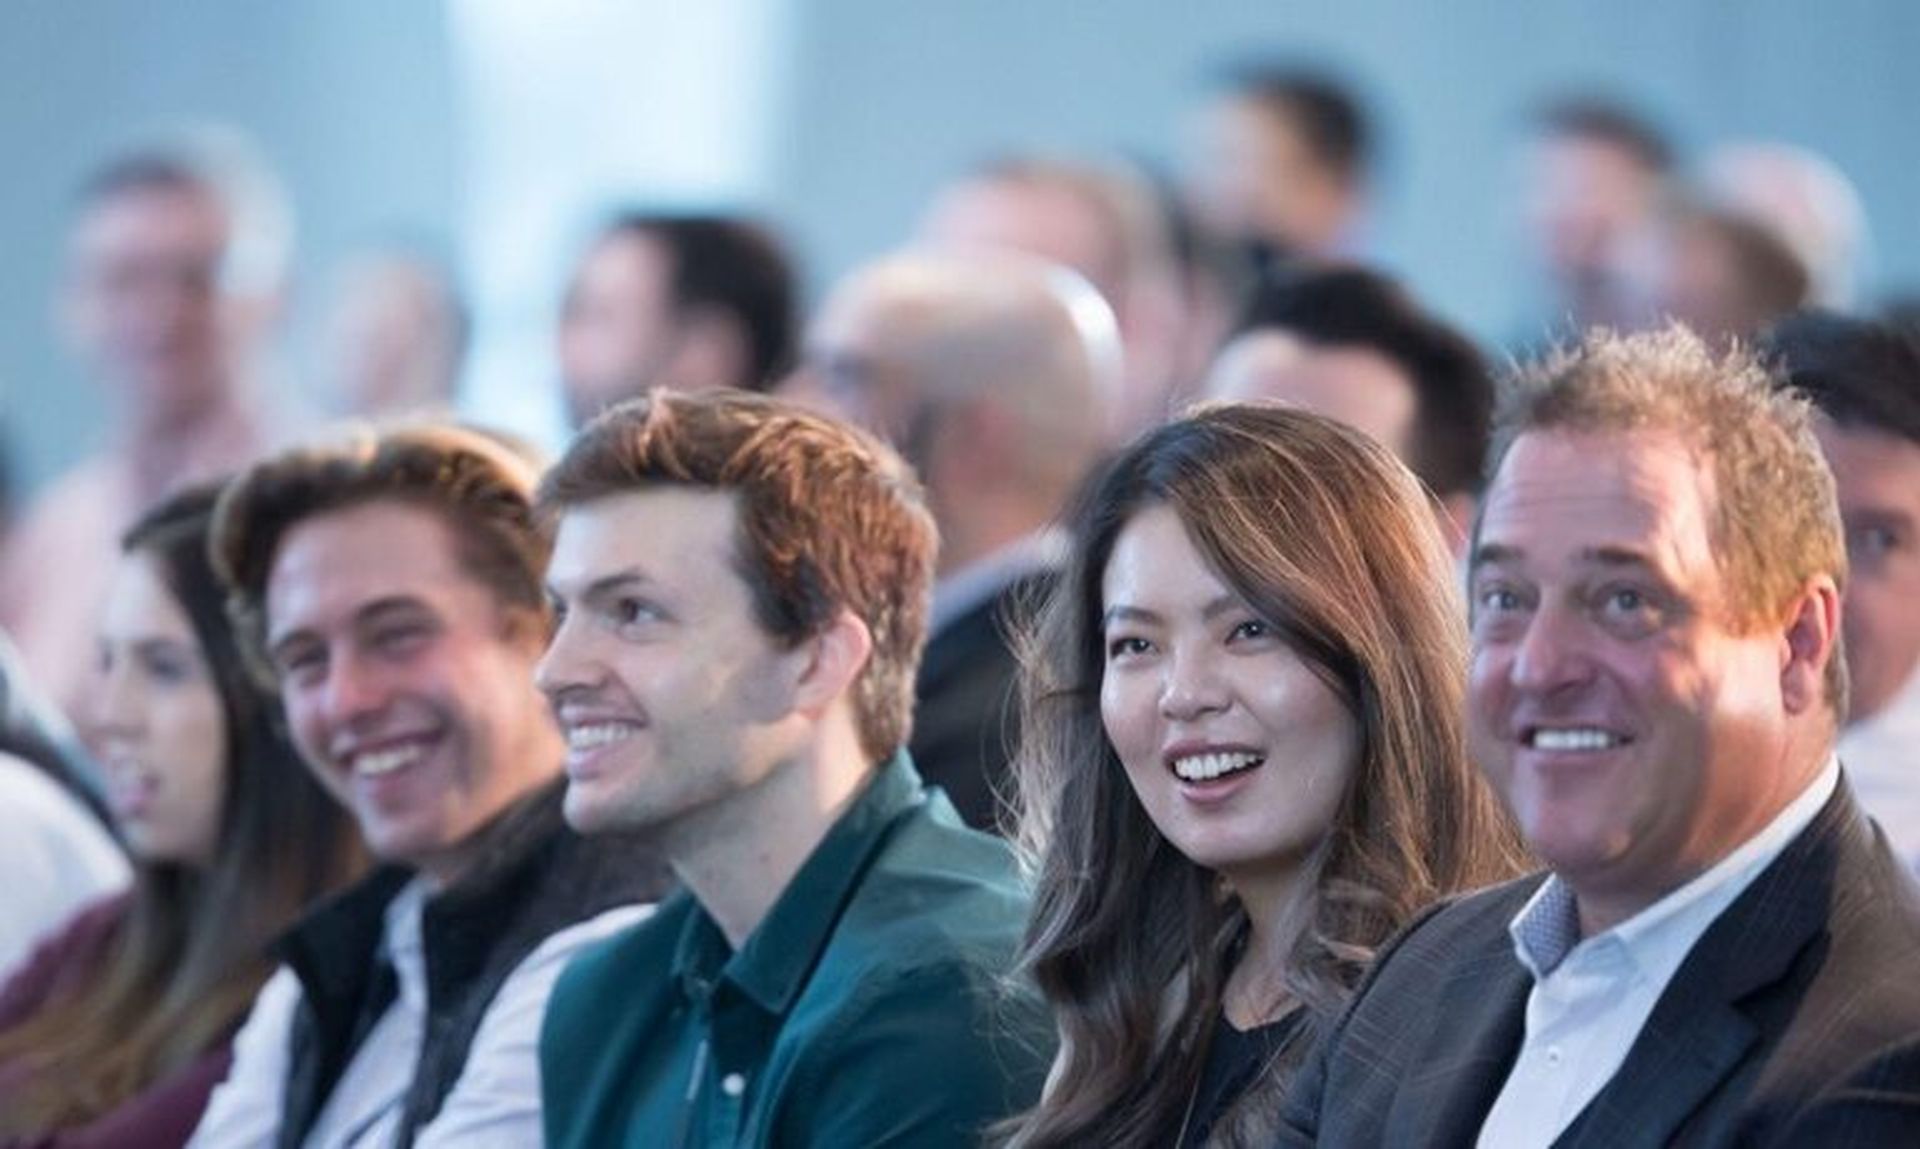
(1808, 644)
(834, 659)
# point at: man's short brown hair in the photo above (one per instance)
(829, 519)
(480, 484)
(1774, 519)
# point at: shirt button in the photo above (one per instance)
(733, 1085)
(1553, 1056)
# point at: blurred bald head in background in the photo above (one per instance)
(1102, 220)
(990, 373)
(995, 375)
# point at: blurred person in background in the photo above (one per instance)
(1723, 274)
(1805, 201)
(1597, 174)
(118, 1027)
(1103, 221)
(1244, 767)
(1353, 344)
(989, 373)
(175, 270)
(393, 335)
(1279, 161)
(1864, 377)
(688, 302)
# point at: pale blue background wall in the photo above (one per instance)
(871, 103)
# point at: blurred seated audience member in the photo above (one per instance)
(119, 1026)
(742, 593)
(1864, 377)
(1243, 770)
(55, 854)
(174, 275)
(1902, 310)
(1355, 345)
(1216, 279)
(1724, 275)
(1279, 161)
(1103, 221)
(988, 372)
(1721, 949)
(1597, 176)
(34, 730)
(394, 334)
(1806, 201)
(391, 582)
(690, 302)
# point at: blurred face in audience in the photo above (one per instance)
(1041, 219)
(617, 326)
(1252, 175)
(408, 685)
(1239, 752)
(158, 723)
(1358, 386)
(1587, 200)
(143, 305)
(1878, 477)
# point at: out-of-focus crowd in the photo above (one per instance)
(1128, 513)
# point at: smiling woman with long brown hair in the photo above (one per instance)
(117, 1029)
(1244, 768)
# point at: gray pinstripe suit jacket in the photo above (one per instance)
(1794, 1021)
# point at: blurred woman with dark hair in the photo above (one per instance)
(1243, 768)
(118, 1028)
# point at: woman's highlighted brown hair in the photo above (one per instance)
(1329, 538)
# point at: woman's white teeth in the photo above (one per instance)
(1576, 739)
(599, 734)
(378, 762)
(1201, 767)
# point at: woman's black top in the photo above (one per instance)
(1235, 1059)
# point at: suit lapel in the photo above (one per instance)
(1703, 1024)
(1467, 1057)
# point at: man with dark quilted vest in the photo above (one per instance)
(391, 585)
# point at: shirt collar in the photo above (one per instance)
(774, 961)
(980, 580)
(1656, 940)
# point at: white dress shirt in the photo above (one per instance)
(54, 856)
(1882, 757)
(1591, 997)
(494, 1105)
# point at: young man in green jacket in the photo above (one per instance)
(742, 590)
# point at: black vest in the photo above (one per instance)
(534, 878)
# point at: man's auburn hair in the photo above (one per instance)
(479, 484)
(830, 519)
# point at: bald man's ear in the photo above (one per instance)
(973, 445)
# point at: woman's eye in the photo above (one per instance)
(1126, 645)
(1251, 629)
